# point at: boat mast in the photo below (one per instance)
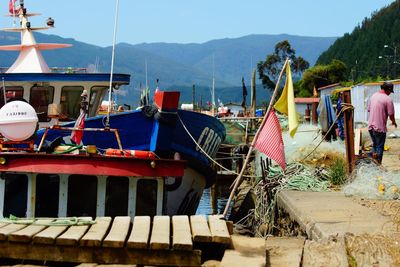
(147, 85)
(30, 59)
(145, 64)
(213, 91)
(112, 64)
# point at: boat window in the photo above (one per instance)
(40, 98)
(12, 93)
(117, 195)
(146, 197)
(96, 97)
(70, 102)
(82, 195)
(16, 195)
(47, 195)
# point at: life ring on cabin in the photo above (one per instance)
(130, 153)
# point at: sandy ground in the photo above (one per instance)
(391, 157)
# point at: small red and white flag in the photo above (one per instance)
(269, 140)
(77, 136)
(11, 8)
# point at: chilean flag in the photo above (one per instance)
(11, 7)
(77, 136)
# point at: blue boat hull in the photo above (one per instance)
(138, 131)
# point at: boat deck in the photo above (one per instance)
(161, 240)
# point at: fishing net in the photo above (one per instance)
(261, 220)
(373, 182)
(307, 139)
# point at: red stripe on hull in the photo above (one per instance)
(90, 165)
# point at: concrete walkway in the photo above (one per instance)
(323, 214)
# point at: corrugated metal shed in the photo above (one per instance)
(361, 93)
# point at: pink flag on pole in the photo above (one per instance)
(269, 140)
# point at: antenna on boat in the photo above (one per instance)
(213, 90)
(112, 65)
(145, 64)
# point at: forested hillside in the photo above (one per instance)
(372, 49)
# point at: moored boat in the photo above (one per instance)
(108, 180)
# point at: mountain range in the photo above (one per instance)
(177, 66)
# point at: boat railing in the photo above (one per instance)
(57, 70)
(68, 70)
(60, 128)
(239, 118)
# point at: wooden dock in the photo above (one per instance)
(161, 240)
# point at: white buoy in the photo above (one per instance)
(18, 121)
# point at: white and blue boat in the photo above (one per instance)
(57, 185)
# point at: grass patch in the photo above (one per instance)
(337, 172)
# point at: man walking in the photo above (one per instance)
(380, 107)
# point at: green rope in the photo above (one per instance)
(68, 150)
(66, 221)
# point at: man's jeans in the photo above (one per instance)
(378, 144)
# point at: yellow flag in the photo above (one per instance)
(286, 105)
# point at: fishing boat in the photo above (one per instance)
(152, 161)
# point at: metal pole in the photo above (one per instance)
(394, 62)
(4, 91)
(193, 98)
(112, 64)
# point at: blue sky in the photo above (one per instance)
(191, 21)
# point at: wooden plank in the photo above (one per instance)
(200, 230)
(49, 235)
(26, 234)
(248, 251)
(284, 251)
(87, 265)
(325, 253)
(219, 230)
(74, 233)
(160, 235)
(96, 233)
(2, 224)
(181, 236)
(140, 233)
(233, 258)
(118, 233)
(10, 228)
(100, 255)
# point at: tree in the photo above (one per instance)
(322, 75)
(270, 68)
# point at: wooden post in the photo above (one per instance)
(253, 99)
(314, 113)
(349, 132)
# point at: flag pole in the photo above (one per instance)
(240, 176)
